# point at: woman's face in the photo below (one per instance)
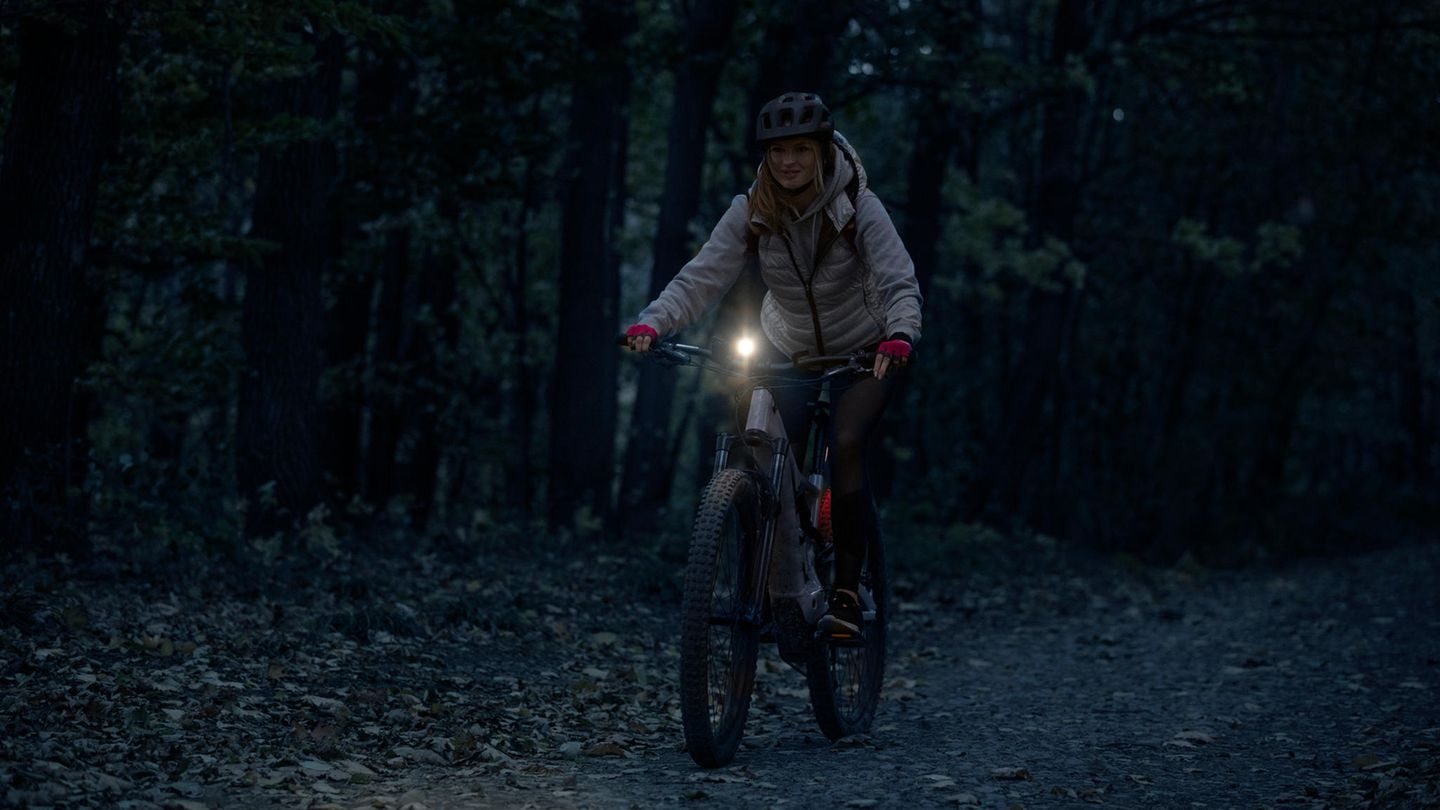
(793, 161)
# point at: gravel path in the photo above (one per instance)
(1039, 679)
(1312, 686)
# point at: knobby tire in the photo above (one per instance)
(717, 657)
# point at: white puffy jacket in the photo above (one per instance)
(858, 300)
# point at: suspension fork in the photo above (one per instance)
(723, 443)
(760, 576)
(770, 504)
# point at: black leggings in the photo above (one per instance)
(856, 406)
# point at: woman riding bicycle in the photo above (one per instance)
(838, 280)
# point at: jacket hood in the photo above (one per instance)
(847, 167)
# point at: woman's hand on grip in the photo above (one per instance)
(893, 353)
(640, 337)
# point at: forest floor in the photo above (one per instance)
(1036, 677)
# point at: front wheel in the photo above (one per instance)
(719, 636)
(845, 681)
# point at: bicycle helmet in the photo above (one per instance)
(792, 114)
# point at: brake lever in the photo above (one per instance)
(851, 366)
(674, 357)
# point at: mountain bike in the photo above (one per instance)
(760, 566)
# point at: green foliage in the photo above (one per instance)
(1276, 247)
(1246, 265)
(159, 473)
(1235, 175)
(1222, 252)
(994, 236)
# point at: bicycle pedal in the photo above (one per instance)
(840, 640)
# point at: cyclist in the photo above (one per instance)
(838, 280)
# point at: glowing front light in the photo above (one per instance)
(745, 347)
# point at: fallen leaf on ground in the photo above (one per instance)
(421, 755)
(1196, 737)
(324, 704)
(1370, 762)
(352, 767)
(1010, 773)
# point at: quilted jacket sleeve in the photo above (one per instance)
(705, 279)
(890, 264)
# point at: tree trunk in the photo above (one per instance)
(1419, 438)
(582, 405)
(387, 371)
(935, 144)
(383, 96)
(62, 123)
(1173, 511)
(347, 329)
(935, 140)
(522, 396)
(1013, 448)
(1291, 382)
(278, 464)
(649, 468)
(424, 403)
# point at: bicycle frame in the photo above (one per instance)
(786, 570)
(770, 447)
(787, 567)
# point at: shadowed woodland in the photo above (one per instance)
(271, 268)
(299, 282)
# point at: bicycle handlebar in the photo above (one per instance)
(681, 354)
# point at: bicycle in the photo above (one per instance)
(759, 569)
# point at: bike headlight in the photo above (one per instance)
(745, 347)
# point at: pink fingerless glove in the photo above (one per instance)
(641, 330)
(895, 348)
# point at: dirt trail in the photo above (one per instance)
(1311, 687)
(1314, 685)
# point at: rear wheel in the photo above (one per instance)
(845, 680)
(718, 641)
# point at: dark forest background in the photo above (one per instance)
(307, 273)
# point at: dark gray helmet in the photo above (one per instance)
(792, 114)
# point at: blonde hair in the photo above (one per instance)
(768, 202)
